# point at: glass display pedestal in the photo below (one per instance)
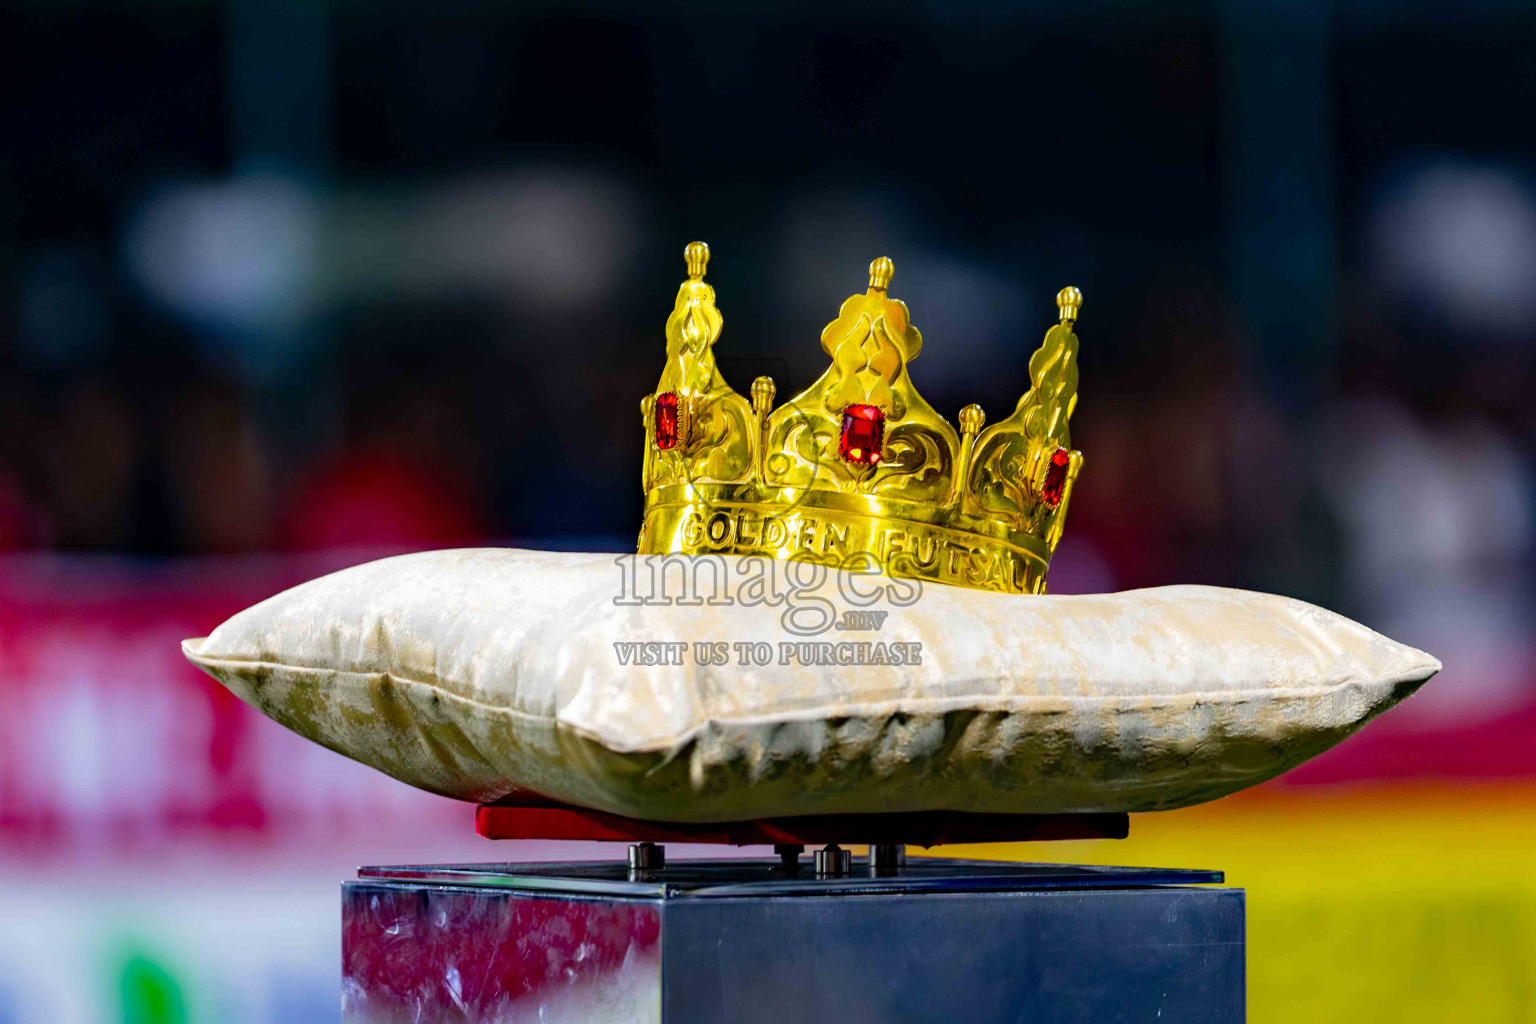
(798, 940)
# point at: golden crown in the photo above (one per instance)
(858, 470)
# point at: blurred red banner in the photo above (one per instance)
(111, 740)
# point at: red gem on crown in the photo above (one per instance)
(1055, 478)
(666, 420)
(863, 434)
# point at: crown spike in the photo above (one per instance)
(972, 419)
(697, 257)
(1069, 300)
(762, 405)
(880, 273)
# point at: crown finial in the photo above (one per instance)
(762, 395)
(972, 419)
(697, 255)
(1069, 300)
(880, 273)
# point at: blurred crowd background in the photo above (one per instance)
(285, 285)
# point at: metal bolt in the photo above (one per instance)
(647, 857)
(832, 861)
(789, 856)
(886, 858)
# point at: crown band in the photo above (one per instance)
(858, 470)
(821, 528)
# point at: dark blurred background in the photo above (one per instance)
(287, 276)
(303, 282)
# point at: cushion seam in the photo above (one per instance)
(919, 705)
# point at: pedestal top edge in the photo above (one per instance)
(691, 879)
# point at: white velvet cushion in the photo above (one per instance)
(477, 673)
